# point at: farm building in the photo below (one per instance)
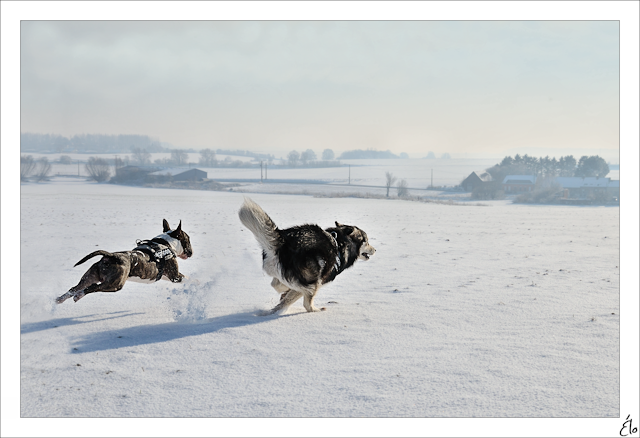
(588, 187)
(181, 174)
(132, 173)
(518, 183)
(474, 180)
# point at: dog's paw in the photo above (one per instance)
(62, 298)
(77, 296)
(315, 309)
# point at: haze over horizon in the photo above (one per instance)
(461, 87)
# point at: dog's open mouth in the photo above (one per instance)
(183, 256)
(365, 255)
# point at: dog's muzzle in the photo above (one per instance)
(367, 252)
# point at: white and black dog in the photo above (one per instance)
(303, 258)
(148, 262)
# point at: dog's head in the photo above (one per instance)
(359, 238)
(183, 244)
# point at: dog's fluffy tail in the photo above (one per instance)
(260, 224)
(93, 254)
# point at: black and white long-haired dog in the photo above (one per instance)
(148, 262)
(303, 258)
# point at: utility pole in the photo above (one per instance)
(260, 171)
(265, 171)
(349, 174)
(431, 178)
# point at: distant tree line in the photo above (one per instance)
(359, 154)
(550, 167)
(432, 156)
(308, 158)
(243, 153)
(101, 143)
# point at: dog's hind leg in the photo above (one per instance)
(286, 299)
(92, 276)
(278, 286)
(113, 283)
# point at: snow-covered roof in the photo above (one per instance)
(519, 179)
(576, 182)
(174, 171)
(484, 176)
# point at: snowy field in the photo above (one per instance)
(501, 310)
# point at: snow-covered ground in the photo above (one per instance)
(499, 310)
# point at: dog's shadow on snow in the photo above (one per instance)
(157, 333)
(31, 327)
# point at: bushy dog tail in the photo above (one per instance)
(93, 254)
(260, 224)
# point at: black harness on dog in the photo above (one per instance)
(336, 266)
(158, 251)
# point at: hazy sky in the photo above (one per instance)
(407, 86)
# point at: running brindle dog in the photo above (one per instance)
(150, 261)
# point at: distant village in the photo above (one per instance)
(546, 181)
(524, 179)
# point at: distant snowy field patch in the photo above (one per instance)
(464, 311)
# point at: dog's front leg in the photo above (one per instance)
(171, 272)
(308, 304)
(178, 278)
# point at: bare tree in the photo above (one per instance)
(307, 156)
(293, 158)
(390, 181)
(119, 162)
(328, 155)
(403, 188)
(141, 156)
(179, 157)
(65, 159)
(207, 158)
(98, 169)
(43, 170)
(27, 166)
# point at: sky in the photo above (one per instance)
(480, 87)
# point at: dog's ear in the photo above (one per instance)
(346, 229)
(179, 226)
(165, 226)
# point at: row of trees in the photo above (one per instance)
(550, 167)
(99, 169)
(294, 158)
(432, 156)
(39, 169)
(102, 143)
(359, 154)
